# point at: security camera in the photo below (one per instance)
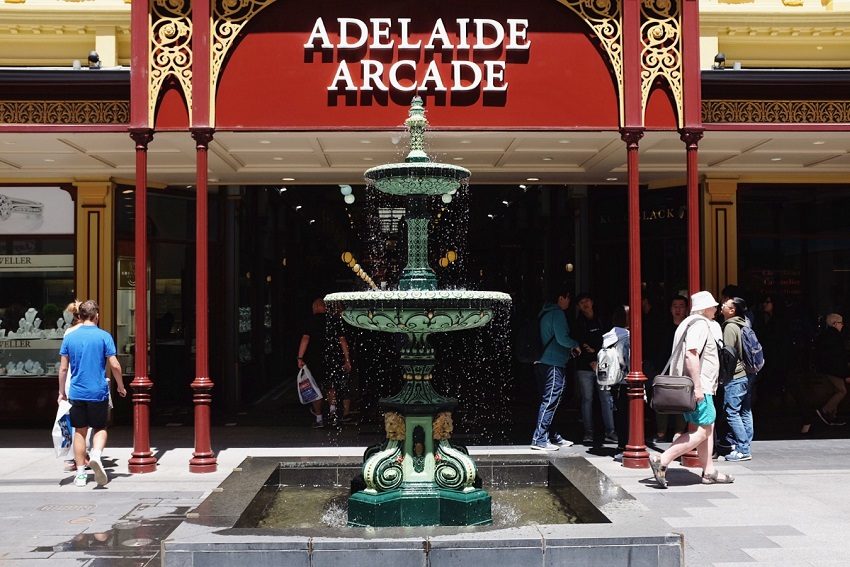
(94, 60)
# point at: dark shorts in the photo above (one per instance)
(89, 414)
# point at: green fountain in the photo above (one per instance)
(418, 477)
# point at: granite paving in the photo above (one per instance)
(789, 506)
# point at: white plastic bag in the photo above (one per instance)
(308, 390)
(63, 432)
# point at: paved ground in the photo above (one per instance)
(790, 506)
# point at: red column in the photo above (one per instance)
(691, 135)
(635, 455)
(142, 459)
(203, 459)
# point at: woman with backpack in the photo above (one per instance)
(737, 396)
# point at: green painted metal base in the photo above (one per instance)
(420, 505)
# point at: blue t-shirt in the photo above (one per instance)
(87, 349)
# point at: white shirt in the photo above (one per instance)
(699, 336)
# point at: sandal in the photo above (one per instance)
(658, 471)
(717, 477)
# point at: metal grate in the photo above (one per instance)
(67, 507)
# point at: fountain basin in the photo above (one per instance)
(417, 178)
(616, 530)
(417, 311)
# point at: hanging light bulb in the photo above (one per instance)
(446, 198)
(345, 190)
(348, 199)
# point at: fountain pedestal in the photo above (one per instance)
(417, 477)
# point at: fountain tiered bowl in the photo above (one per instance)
(420, 312)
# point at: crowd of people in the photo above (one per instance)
(716, 354)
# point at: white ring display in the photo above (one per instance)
(10, 205)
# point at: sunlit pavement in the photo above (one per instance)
(788, 506)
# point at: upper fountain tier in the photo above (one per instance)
(418, 175)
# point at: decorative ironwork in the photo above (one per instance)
(382, 470)
(454, 468)
(661, 55)
(228, 19)
(64, 112)
(171, 50)
(776, 111)
(440, 317)
(604, 18)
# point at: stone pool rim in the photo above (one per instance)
(632, 535)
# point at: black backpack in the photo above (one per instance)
(528, 345)
(728, 362)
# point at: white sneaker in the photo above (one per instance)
(546, 447)
(81, 479)
(99, 473)
(561, 442)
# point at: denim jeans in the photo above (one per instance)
(550, 382)
(587, 385)
(737, 404)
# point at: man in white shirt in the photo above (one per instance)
(695, 355)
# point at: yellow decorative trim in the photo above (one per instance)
(661, 56)
(64, 112)
(773, 111)
(171, 50)
(229, 17)
(604, 18)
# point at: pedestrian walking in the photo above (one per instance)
(90, 351)
(695, 355)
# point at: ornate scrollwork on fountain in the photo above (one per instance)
(171, 49)
(604, 18)
(382, 471)
(382, 468)
(661, 55)
(454, 468)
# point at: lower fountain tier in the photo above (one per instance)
(420, 504)
(418, 312)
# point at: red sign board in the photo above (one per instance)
(329, 64)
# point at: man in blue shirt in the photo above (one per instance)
(550, 369)
(89, 350)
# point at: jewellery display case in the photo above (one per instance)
(29, 357)
(36, 283)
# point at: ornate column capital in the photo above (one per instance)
(631, 136)
(202, 137)
(691, 137)
(142, 137)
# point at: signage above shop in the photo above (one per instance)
(410, 72)
(37, 263)
(335, 64)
